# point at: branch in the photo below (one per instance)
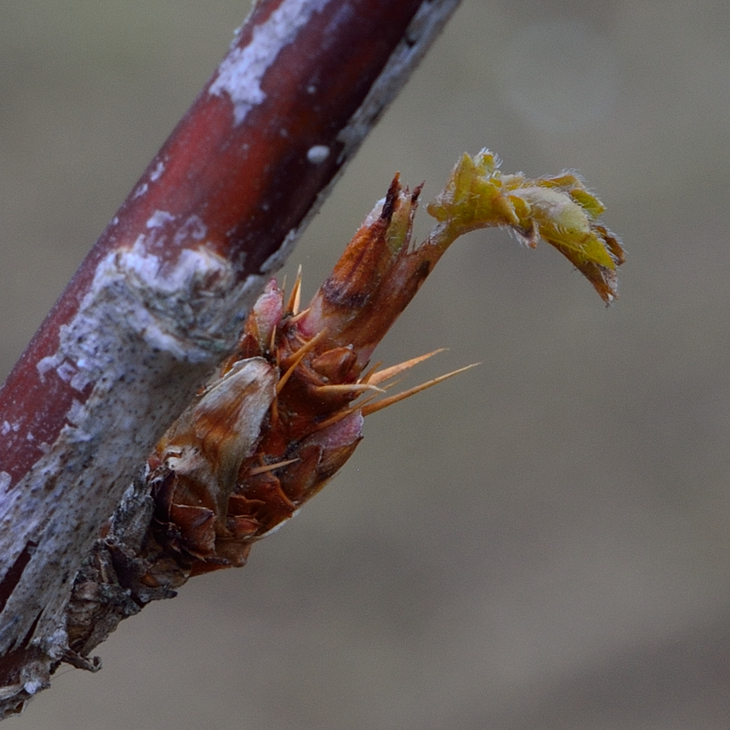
(161, 297)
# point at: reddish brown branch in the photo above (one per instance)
(160, 298)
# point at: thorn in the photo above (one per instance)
(299, 315)
(394, 370)
(371, 408)
(340, 415)
(366, 378)
(298, 357)
(295, 297)
(272, 342)
(269, 467)
(344, 388)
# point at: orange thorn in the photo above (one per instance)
(299, 315)
(345, 412)
(298, 357)
(296, 294)
(337, 417)
(394, 370)
(379, 405)
(369, 374)
(272, 342)
(344, 388)
(269, 467)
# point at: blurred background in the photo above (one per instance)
(543, 542)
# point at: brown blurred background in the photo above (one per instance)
(541, 543)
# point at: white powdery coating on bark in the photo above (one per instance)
(157, 172)
(145, 336)
(241, 72)
(427, 23)
(193, 310)
(141, 190)
(318, 154)
(159, 219)
(193, 229)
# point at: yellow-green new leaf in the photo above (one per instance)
(559, 209)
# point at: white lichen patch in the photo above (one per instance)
(160, 218)
(65, 371)
(157, 171)
(76, 413)
(32, 686)
(318, 154)
(141, 190)
(194, 229)
(5, 480)
(190, 310)
(242, 71)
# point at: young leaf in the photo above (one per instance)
(559, 209)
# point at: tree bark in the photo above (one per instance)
(159, 300)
